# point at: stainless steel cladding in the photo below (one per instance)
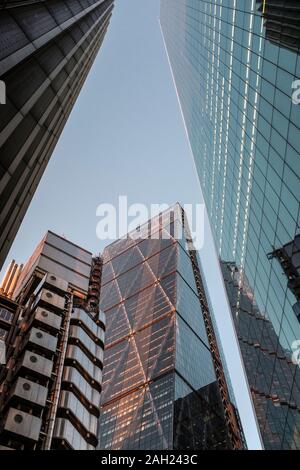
(24, 424)
(58, 359)
(70, 402)
(76, 354)
(30, 391)
(91, 325)
(42, 339)
(53, 300)
(72, 376)
(79, 334)
(48, 318)
(102, 317)
(60, 257)
(64, 430)
(56, 282)
(37, 364)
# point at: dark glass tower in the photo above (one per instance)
(282, 22)
(46, 51)
(235, 63)
(269, 366)
(163, 381)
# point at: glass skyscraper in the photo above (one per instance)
(236, 64)
(269, 379)
(46, 51)
(163, 382)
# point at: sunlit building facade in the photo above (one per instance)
(47, 48)
(235, 65)
(163, 382)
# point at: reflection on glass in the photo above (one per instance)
(282, 22)
(155, 341)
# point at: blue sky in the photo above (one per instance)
(125, 136)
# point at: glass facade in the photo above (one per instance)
(158, 366)
(269, 366)
(46, 51)
(235, 65)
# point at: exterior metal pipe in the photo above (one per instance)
(6, 276)
(59, 372)
(14, 280)
(10, 278)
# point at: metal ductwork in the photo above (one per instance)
(48, 319)
(42, 340)
(53, 301)
(54, 282)
(30, 391)
(65, 432)
(68, 401)
(51, 388)
(73, 378)
(83, 317)
(76, 355)
(37, 364)
(79, 335)
(23, 424)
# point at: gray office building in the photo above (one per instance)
(46, 51)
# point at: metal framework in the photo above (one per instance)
(232, 420)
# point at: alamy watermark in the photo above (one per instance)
(296, 93)
(296, 352)
(2, 92)
(117, 222)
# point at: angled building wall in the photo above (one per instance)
(235, 63)
(161, 362)
(270, 368)
(46, 51)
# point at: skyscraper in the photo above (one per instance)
(51, 382)
(164, 386)
(282, 23)
(46, 51)
(235, 65)
(277, 408)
